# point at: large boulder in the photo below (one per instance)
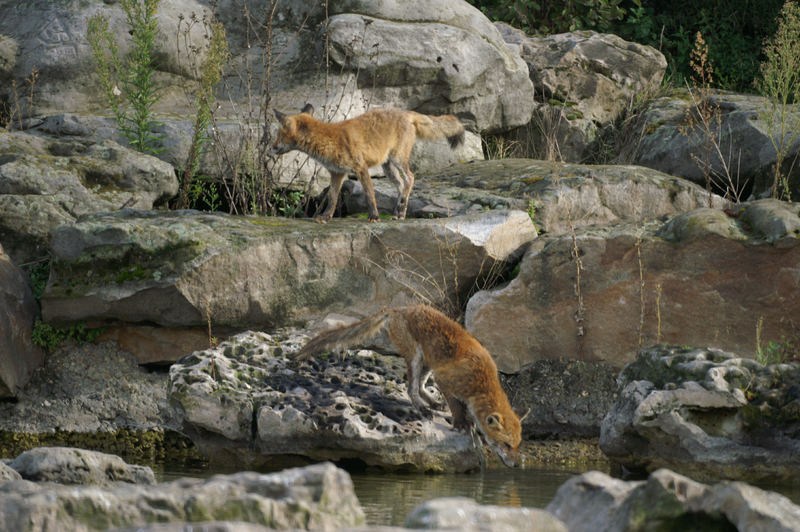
(66, 465)
(344, 57)
(666, 501)
(317, 497)
(47, 181)
(602, 293)
(706, 413)
(555, 195)
(584, 80)
(246, 402)
(740, 134)
(184, 268)
(19, 357)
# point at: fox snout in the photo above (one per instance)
(508, 455)
(279, 148)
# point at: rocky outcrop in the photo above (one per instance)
(78, 466)
(247, 402)
(19, 357)
(343, 57)
(48, 181)
(741, 131)
(96, 389)
(595, 501)
(679, 282)
(555, 195)
(184, 268)
(460, 513)
(566, 398)
(318, 497)
(584, 80)
(706, 413)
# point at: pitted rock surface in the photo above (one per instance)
(247, 401)
(707, 413)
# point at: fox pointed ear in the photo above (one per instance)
(280, 116)
(308, 109)
(523, 415)
(493, 420)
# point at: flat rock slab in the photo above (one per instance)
(318, 497)
(556, 195)
(67, 465)
(705, 277)
(706, 413)
(184, 268)
(246, 402)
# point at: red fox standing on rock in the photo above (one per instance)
(464, 370)
(378, 137)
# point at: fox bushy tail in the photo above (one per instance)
(439, 127)
(346, 336)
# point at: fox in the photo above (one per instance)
(463, 369)
(378, 137)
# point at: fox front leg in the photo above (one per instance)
(333, 197)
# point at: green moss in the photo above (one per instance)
(141, 447)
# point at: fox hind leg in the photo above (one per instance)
(392, 171)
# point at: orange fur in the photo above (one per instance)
(378, 137)
(463, 369)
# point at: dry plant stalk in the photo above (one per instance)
(704, 120)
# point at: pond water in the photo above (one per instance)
(388, 498)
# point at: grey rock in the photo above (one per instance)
(594, 501)
(742, 134)
(678, 282)
(7, 473)
(19, 356)
(317, 497)
(706, 413)
(463, 514)
(66, 465)
(49, 181)
(247, 402)
(584, 80)
(556, 195)
(166, 268)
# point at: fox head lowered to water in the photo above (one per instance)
(502, 432)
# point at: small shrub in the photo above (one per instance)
(131, 81)
(780, 85)
(48, 337)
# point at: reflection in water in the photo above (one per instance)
(387, 499)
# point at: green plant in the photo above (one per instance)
(288, 203)
(38, 273)
(209, 71)
(129, 85)
(552, 16)
(48, 337)
(780, 85)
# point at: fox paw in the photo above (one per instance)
(322, 219)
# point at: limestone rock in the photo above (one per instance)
(742, 134)
(595, 501)
(317, 497)
(78, 466)
(7, 473)
(706, 413)
(47, 181)
(679, 282)
(584, 80)
(556, 195)
(184, 268)
(19, 357)
(246, 402)
(461, 513)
